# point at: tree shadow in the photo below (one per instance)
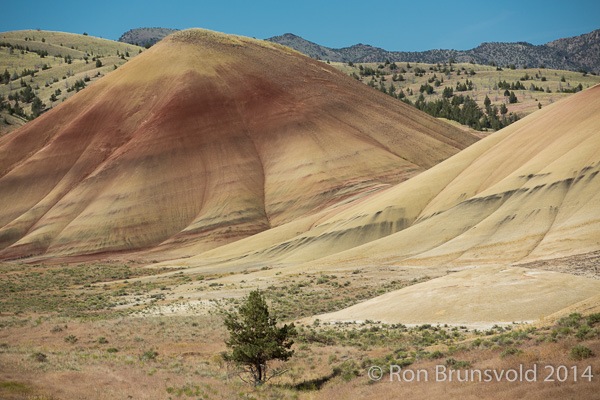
(314, 384)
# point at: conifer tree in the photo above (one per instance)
(255, 339)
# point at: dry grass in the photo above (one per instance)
(57, 73)
(204, 36)
(329, 363)
(476, 297)
(485, 80)
(53, 356)
(67, 43)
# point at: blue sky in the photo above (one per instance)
(394, 25)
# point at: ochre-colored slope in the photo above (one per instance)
(531, 192)
(478, 297)
(528, 192)
(201, 141)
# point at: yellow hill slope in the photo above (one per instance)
(528, 192)
(525, 193)
(478, 297)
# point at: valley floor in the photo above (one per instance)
(111, 331)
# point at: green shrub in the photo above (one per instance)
(149, 355)
(72, 339)
(584, 332)
(39, 357)
(347, 370)
(593, 318)
(571, 321)
(580, 352)
(436, 354)
(510, 351)
(455, 364)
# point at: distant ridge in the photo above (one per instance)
(578, 53)
(583, 49)
(145, 37)
(574, 53)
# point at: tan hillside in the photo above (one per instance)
(55, 65)
(204, 139)
(526, 193)
(476, 297)
(537, 87)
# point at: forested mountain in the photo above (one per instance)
(575, 53)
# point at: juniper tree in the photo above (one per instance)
(255, 339)
(37, 107)
(487, 103)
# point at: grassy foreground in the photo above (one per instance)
(109, 330)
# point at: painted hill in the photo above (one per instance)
(524, 196)
(528, 192)
(575, 53)
(203, 140)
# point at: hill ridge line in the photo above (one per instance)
(556, 54)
